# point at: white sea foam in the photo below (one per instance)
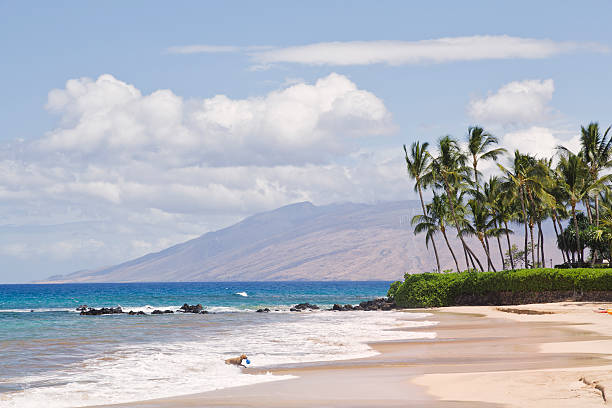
(38, 310)
(156, 370)
(241, 294)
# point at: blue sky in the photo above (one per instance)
(78, 193)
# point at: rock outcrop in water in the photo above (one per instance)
(370, 305)
(156, 312)
(304, 306)
(191, 308)
(105, 310)
(266, 310)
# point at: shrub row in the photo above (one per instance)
(444, 289)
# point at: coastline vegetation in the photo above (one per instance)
(570, 187)
(503, 287)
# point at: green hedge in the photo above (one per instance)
(442, 289)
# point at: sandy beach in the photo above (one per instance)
(519, 356)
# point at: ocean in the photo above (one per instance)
(52, 356)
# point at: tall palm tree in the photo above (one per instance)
(479, 148)
(522, 176)
(449, 170)
(573, 181)
(418, 164)
(597, 152)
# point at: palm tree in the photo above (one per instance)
(519, 178)
(449, 171)
(597, 152)
(438, 211)
(482, 224)
(418, 164)
(492, 197)
(572, 180)
(479, 142)
(507, 207)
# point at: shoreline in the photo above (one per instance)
(467, 365)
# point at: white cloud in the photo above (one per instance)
(300, 123)
(539, 141)
(478, 47)
(519, 102)
(125, 172)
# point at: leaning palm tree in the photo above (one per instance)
(418, 163)
(508, 210)
(479, 148)
(480, 227)
(449, 171)
(492, 197)
(439, 212)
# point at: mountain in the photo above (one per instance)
(296, 242)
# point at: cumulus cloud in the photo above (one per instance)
(519, 102)
(124, 172)
(539, 141)
(298, 124)
(439, 50)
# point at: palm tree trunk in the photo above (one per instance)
(567, 251)
(509, 246)
(587, 204)
(576, 232)
(433, 242)
(486, 253)
(538, 251)
(443, 229)
(472, 261)
(501, 253)
(554, 220)
(452, 206)
(475, 257)
(521, 194)
(597, 209)
(476, 176)
(489, 253)
(541, 239)
(532, 252)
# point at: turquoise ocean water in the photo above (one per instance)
(52, 356)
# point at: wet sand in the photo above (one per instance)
(481, 357)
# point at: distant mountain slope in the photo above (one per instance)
(296, 242)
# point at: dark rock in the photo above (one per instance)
(293, 309)
(376, 304)
(305, 306)
(105, 310)
(157, 312)
(140, 313)
(204, 312)
(266, 310)
(82, 308)
(168, 311)
(191, 308)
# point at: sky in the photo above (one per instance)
(127, 127)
